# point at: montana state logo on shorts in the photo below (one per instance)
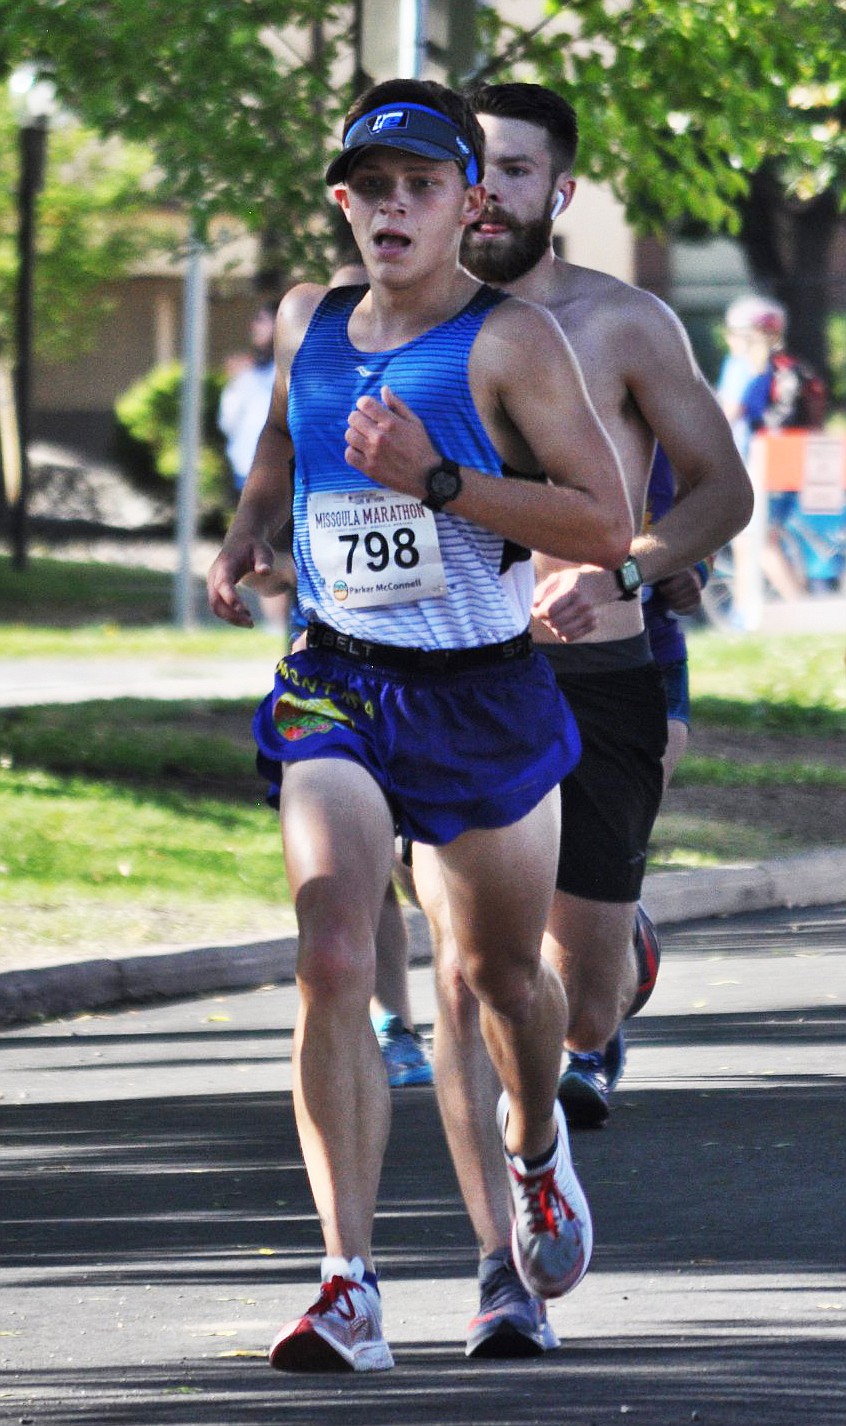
(296, 718)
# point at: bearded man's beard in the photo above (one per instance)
(505, 259)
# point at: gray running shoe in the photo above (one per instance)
(510, 1322)
(552, 1234)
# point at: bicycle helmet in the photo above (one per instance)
(756, 314)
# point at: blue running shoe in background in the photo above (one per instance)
(614, 1061)
(403, 1053)
(589, 1078)
(583, 1091)
(585, 1085)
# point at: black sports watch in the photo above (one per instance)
(443, 483)
(629, 578)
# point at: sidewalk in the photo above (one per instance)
(31, 991)
(27, 682)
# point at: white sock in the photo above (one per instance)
(339, 1267)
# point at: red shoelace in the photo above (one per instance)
(544, 1197)
(335, 1293)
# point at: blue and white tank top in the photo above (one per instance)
(488, 593)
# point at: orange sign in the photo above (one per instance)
(794, 460)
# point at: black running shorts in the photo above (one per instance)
(610, 800)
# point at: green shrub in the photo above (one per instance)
(148, 416)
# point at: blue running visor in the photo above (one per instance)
(412, 128)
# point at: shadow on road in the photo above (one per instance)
(736, 1382)
(721, 1175)
(691, 1182)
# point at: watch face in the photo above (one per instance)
(444, 484)
(630, 575)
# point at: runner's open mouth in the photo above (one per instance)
(392, 239)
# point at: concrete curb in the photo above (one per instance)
(812, 879)
(47, 992)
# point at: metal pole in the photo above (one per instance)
(194, 355)
(411, 38)
(748, 546)
(33, 139)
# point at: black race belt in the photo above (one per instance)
(413, 660)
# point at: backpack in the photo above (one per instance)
(798, 397)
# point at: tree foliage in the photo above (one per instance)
(91, 227)
(235, 98)
(689, 109)
(148, 418)
(680, 102)
(708, 116)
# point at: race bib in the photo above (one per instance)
(375, 547)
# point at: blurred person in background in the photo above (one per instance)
(244, 403)
(762, 387)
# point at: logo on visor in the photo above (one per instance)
(395, 119)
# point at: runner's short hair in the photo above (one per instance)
(534, 104)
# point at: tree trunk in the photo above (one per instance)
(788, 247)
(814, 227)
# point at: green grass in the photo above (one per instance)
(52, 592)
(790, 682)
(134, 841)
(695, 771)
(96, 864)
(125, 823)
(132, 822)
(681, 843)
(219, 641)
(129, 822)
(140, 742)
(64, 608)
(133, 740)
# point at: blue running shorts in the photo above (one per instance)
(451, 750)
(677, 689)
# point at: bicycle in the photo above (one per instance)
(813, 546)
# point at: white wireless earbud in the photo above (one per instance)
(557, 205)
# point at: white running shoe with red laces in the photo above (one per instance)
(341, 1331)
(552, 1233)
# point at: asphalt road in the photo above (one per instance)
(157, 1227)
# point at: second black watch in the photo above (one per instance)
(629, 578)
(443, 483)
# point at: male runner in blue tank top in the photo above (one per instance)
(643, 380)
(418, 705)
